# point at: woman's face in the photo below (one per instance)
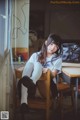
(52, 48)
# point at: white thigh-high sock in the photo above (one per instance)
(37, 72)
(24, 94)
(28, 69)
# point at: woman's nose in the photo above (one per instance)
(52, 47)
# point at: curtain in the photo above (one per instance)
(6, 62)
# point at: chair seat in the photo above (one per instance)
(38, 103)
(63, 86)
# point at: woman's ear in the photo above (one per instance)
(46, 42)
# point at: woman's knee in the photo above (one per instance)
(38, 65)
(28, 69)
(30, 65)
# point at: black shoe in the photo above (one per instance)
(23, 108)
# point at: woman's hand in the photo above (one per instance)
(54, 73)
(45, 70)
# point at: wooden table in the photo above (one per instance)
(73, 72)
(66, 64)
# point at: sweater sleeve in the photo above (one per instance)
(57, 65)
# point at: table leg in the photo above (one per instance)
(76, 95)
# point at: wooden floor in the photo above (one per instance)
(55, 114)
(41, 116)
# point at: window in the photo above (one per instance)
(5, 12)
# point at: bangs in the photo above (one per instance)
(54, 42)
(49, 41)
(53, 38)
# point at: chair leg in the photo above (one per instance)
(47, 114)
(61, 102)
(60, 105)
(72, 99)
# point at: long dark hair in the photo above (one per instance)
(52, 38)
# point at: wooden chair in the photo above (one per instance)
(64, 90)
(46, 103)
(39, 103)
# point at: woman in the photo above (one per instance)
(50, 58)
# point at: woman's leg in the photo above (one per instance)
(26, 72)
(37, 72)
(30, 82)
(26, 88)
(28, 69)
(23, 90)
(33, 71)
(24, 94)
(26, 84)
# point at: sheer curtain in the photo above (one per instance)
(5, 17)
(6, 63)
(2, 29)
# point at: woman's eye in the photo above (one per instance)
(51, 43)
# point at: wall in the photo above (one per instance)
(59, 18)
(37, 15)
(63, 20)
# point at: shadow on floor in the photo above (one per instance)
(40, 115)
(32, 115)
(66, 116)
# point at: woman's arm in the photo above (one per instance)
(45, 70)
(54, 73)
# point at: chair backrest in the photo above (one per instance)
(44, 84)
(45, 102)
